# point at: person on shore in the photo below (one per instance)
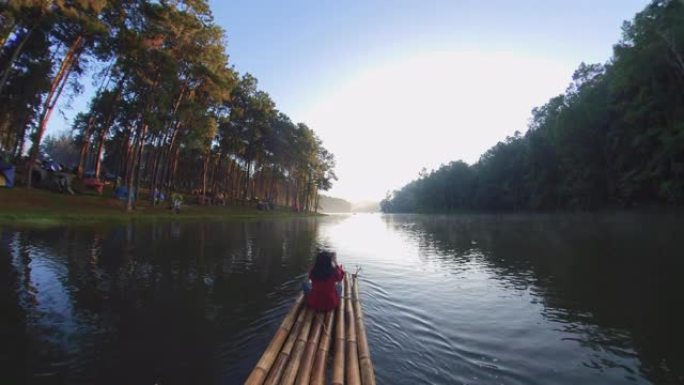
(176, 201)
(323, 289)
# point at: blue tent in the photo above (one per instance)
(121, 193)
(6, 175)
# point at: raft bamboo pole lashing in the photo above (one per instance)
(290, 373)
(365, 363)
(353, 374)
(338, 362)
(304, 374)
(318, 371)
(298, 352)
(266, 361)
(279, 366)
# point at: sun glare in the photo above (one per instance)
(430, 109)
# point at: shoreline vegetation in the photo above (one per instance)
(169, 112)
(615, 138)
(33, 207)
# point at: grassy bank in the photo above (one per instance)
(21, 206)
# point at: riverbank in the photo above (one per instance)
(21, 206)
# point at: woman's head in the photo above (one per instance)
(323, 268)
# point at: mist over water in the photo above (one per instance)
(515, 299)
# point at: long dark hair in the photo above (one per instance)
(323, 268)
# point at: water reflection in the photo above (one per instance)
(609, 283)
(448, 299)
(144, 304)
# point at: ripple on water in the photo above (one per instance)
(446, 299)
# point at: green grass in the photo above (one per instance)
(35, 207)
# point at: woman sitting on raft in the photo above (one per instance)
(324, 290)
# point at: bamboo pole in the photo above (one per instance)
(266, 361)
(367, 373)
(278, 367)
(292, 367)
(318, 371)
(338, 363)
(304, 375)
(353, 374)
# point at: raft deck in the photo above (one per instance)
(298, 352)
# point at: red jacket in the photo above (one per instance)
(323, 295)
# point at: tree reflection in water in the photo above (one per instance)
(447, 299)
(144, 303)
(614, 281)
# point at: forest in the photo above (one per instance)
(168, 111)
(615, 138)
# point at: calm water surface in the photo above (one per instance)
(568, 299)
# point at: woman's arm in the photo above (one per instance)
(339, 273)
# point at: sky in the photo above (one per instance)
(395, 86)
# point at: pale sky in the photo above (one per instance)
(394, 86)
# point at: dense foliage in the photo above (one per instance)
(616, 137)
(168, 111)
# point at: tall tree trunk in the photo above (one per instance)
(316, 200)
(205, 166)
(168, 161)
(21, 133)
(247, 178)
(98, 154)
(138, 174)
(216, 173)
(136, 169)
(155, 169)
(166, 171)
(9, 135)
(160, 155)
(225, 178)
(287, 193)
(130, 171)
(176, 158)
(259, 185)
(238, 182)
(125, 156)
(165, 166)
(85, 146)
(173, 168)
(51, 100)
(228, 186)
(234, 176)
(270, 185)
(309, 197)
(83, 153)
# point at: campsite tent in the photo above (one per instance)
(6, 175)
(121, 193)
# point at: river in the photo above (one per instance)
(483, 299)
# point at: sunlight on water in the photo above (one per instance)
(447, 300)
(450, 308)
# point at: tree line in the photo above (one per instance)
(168, 112)
(615, 138)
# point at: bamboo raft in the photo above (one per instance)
(298, 352)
